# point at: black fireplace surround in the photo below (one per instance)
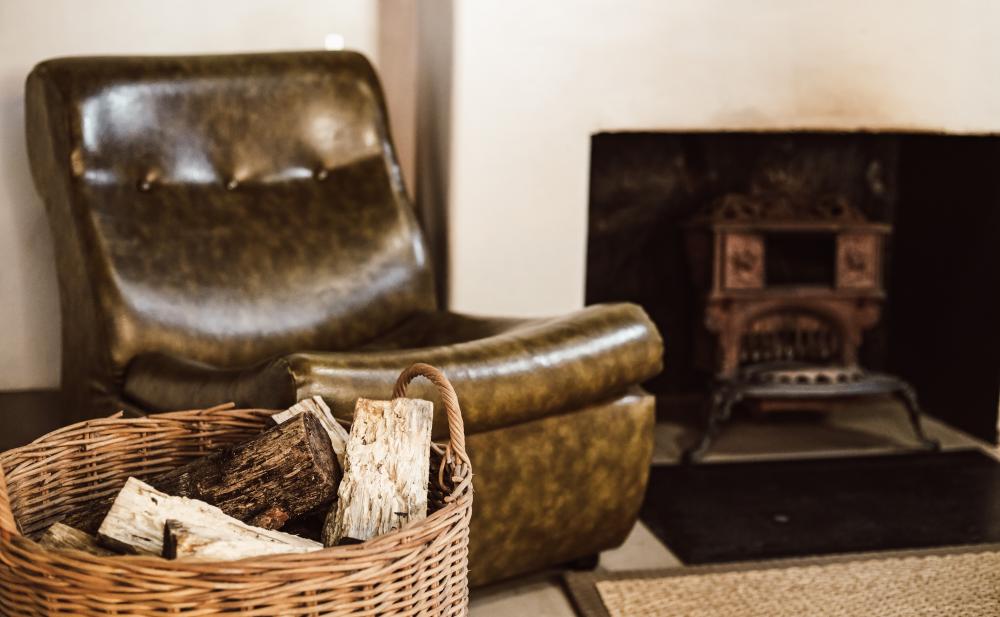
(940, 328)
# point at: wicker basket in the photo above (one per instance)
(421, 569)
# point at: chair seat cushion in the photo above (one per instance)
(505, 371)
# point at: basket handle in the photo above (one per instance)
(8, 526)
(455, 453)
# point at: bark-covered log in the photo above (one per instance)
(317, 407)
(284, 472)
(386, 470)
(63, 537)
(187, 540)
(137, 520)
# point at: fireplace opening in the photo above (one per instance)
(800, 258)
(933, 200)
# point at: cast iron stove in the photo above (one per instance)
(789, 284)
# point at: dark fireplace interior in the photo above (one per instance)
(800, 259)
(940, 326)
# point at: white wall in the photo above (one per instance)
(33, 30)
(533, 80)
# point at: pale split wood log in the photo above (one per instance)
(185, 540)
(282, 473)
(318, 407)
(386, 470)
(63, 537)
(137, 521)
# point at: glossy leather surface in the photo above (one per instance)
(223, 209)
(559, 488)
(234, 228)
(505, 371)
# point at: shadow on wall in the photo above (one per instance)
(29, 295)
(434, 89)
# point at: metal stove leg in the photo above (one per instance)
(721, 408)
(909, 397)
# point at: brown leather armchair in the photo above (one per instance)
(234, 228)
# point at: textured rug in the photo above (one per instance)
(931, 583)
(732, 512)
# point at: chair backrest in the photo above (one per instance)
(220, 208)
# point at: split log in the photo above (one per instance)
(385, 473)
(284, 472)
(317, 407)
(138, 519)
(185, 540)
(63, 537)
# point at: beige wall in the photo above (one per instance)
(32, 30)
(532, 81)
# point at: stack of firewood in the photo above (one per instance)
(306, 475)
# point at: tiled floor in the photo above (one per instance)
(879, 427)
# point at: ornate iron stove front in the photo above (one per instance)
(789, 283)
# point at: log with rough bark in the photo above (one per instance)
(137, 524)
(385, 473)
(318, 407)
(63, 537)
(284, 472)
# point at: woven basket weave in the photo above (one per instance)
(421, 569)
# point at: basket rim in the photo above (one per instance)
(379, 547)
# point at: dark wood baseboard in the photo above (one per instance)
(27, 415)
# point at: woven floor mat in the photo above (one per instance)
(940, 583)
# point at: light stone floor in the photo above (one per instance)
(880, 427)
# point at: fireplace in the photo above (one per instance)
(919, 302)
(788, 281)
(785, 275)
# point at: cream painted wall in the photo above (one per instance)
(533, 80)
(33, 30)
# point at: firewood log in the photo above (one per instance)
(285, 471)
(138, 518)
(317, 407)
(385, 473)
(63, 537)
(185, 540)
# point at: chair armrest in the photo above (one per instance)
(524, 370)
(159, 382)
(530, 370)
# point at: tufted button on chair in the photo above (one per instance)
(234, 228)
